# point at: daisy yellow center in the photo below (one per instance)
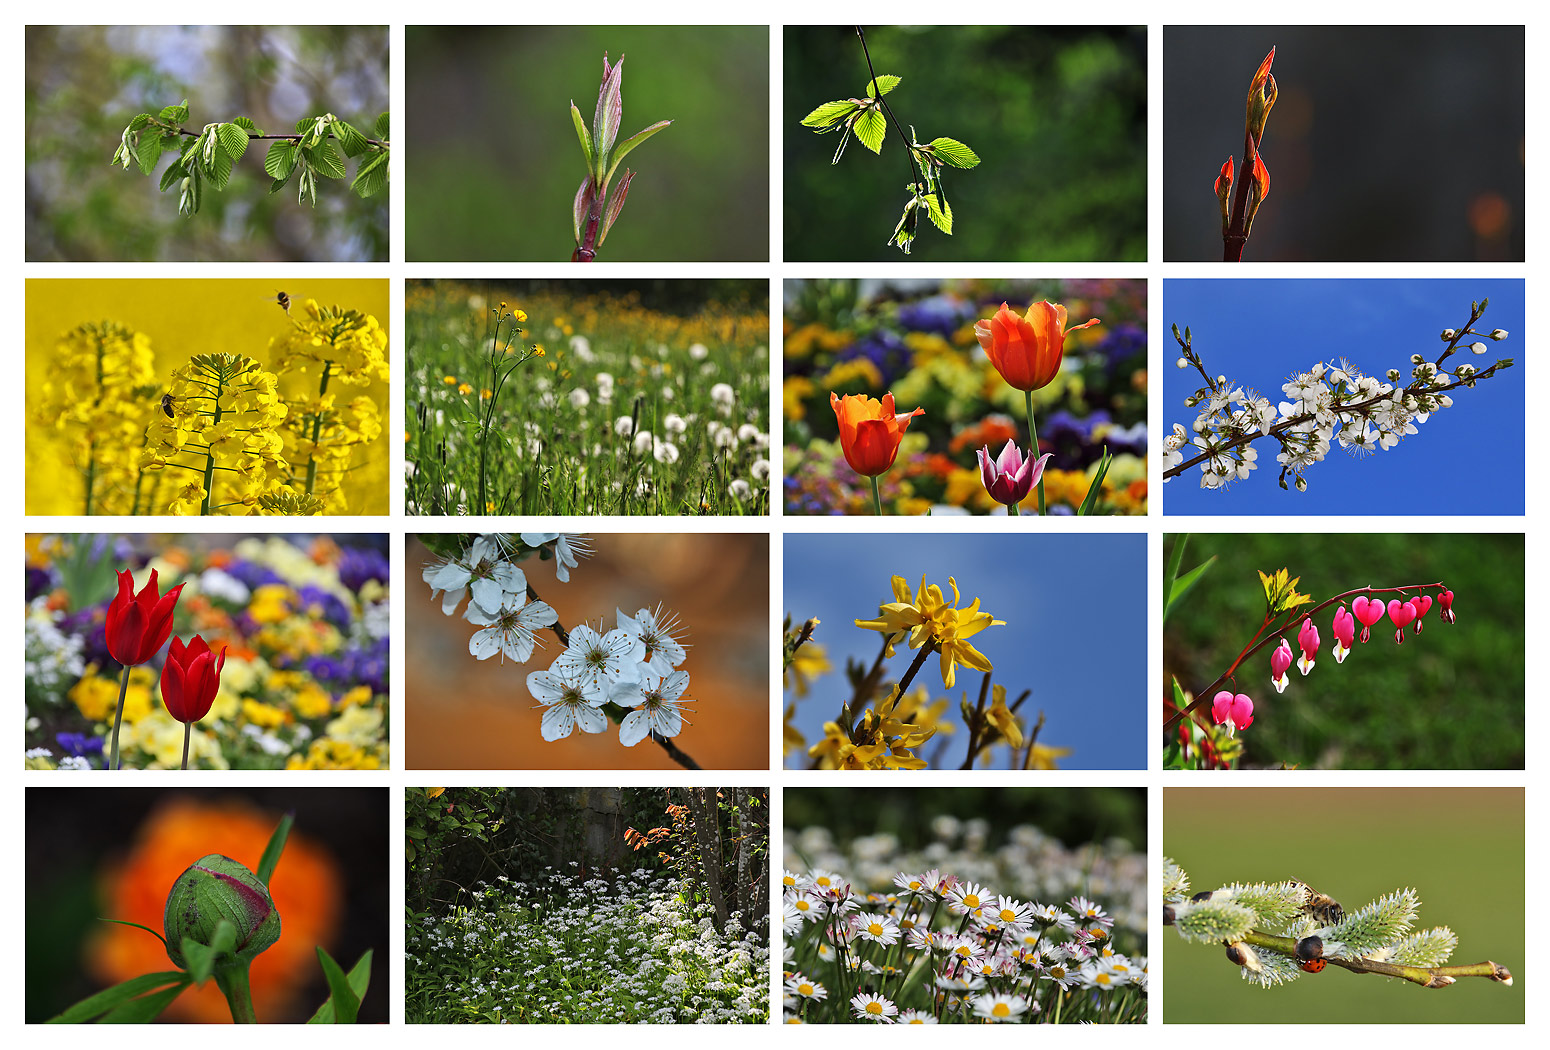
(875, 929)
(874, 1008)
(970, 900)
(805, 989)
(802, 905)
(914, 886)
(962, 949)
(1001, 1010)
(822, 881)
(788, 881)
(1057, 972)
(1102, 978)
(914, 1020)
(1007, 915)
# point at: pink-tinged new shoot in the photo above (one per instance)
(1236, 711)
(1308, 642)
(1010, 476)
(1280, 660)
(1402, 613)
(1345, 633)
(1369, 611)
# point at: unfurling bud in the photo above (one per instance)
(1262, 97)
(1259, 189)
(1498, 334)
(1223, 194)
(1241, 954)
(1448, 334)
(216, 888)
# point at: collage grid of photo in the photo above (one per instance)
(508, 743)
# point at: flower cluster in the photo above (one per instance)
(1332, 404)
(287, 666)
(627, 673)
(624, 949)
(853, 945)
(970, 373)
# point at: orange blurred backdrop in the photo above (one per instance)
(463, 713)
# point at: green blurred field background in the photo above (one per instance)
(1461, 849)
(1057, 115)
(495, 163)
(1450, 698)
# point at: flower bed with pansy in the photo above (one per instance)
(258, 653)
(959, 370)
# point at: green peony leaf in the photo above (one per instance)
(358, 980)
(344, 998)
(109, 998)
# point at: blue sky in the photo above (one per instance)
(1468, 459)
(1075, 612)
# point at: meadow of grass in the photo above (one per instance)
(595, 399)
(568, 951)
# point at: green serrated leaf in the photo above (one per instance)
(350, 140)
(383, 126)
(884, 84)
(346, 1001)
(246, 124)
(174, 172)
(281, 160)
(954, 152)
(234, 140)
(829, 114)
(870, 129)
(174, 114)
(147, 152)
(940, 212)
(219, 169)
(273, 849)
(105, 1000)
(138, 122)
(372, 176)
(325, 160)
(359, 978)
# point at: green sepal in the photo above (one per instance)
(826, 116)
(138, 926)
(884, 83)
(953, 152)
(105, 1000)
(281, 160)
(1096, 488)
(201, 958)
(870, 128)
(584, 135)
(628, 144)
(344, 1000)
(274, 848)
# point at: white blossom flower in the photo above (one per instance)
(570, 701)
(652, 641)
(659, 708)
(568, 548)
(599, 658)
(509, 630)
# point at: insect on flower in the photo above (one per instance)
(1321, 906)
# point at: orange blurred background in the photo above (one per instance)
(462, 713)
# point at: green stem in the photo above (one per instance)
(232, 979)
(118, 718)
(317, 429)
(220, 388)
(877, 497)
(1033, 444)
(188, 729)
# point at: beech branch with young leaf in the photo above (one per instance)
(208, 156)
(868, 119)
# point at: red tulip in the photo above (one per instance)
(870, 431)
(1027, 350)
(138, 624)
(190, 679)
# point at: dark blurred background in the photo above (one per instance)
(1057, 115)
(464, 713)
(1461, 849)
(84, 83)
(1386, 143)
(1073, 815)
(97, 852)
(1449, 698)
(496, 162)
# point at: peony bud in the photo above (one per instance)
(216, 888)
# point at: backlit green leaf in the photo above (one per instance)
(884, 84)
(829, 114)
(954, 152)
(871, 127)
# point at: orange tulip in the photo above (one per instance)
(870, 431)
(1026, 350)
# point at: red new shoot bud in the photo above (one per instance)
(1224, 193)
(1262, 96)
(1259, 189)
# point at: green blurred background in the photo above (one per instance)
(1450, 698)
(1461, 849)
(496, 164)
(1073, 815)
(84, 83)
(1057, 115)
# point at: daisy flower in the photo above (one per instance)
(659, 711)
(1090, 912)
(1048, 915)
(806, 987)
(570, 702)
(1095, 975)
(790, 919)
(599, 657)
(967, 899)
(870, 1007)
(825, 880)
(509, 631)
(1059, 973)
(915, 1017)
(791, 880)
(877, 928)
(999, 1007)
(1010, 912)
(912, 883)
(806, 905)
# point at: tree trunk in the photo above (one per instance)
(707, 833)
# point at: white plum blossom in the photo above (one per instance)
(569, 701)
(659, 707)
(568, 548)
(509, 630)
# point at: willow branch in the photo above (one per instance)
(1425, 976)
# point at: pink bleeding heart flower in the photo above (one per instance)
(1010, 477)
(1423, 605)
(1369, 611)
(1280, 660)
(1237, 711)
(1445, 599)
(1308, 642)
(1345, 633)
(1401, 613)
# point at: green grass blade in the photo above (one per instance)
(271, 857)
